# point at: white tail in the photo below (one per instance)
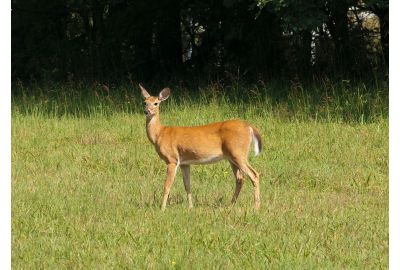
(257, 143)
(183, 146)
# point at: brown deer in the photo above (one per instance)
(183, 146)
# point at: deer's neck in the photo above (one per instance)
(153, 128)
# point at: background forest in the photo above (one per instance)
(110, 40)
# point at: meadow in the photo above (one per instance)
(87, 183)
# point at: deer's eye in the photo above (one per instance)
(155, 104)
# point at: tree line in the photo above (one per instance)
(211, 39)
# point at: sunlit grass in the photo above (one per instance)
(87, 184)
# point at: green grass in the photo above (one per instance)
(87, 184)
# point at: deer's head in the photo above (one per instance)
(152, 103)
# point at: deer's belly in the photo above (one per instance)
(205, 160)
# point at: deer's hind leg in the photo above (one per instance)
(255, 179)
(237, 152)
(239, 181)
(186, 181)
(244, 166)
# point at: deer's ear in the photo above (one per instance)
(164, 94)
(145, 94)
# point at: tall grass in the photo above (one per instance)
(320, 101)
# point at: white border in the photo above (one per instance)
(5, 136)
(394, 137)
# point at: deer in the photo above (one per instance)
(182, 146)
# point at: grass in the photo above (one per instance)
(87, 184)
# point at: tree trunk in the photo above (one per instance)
(383, 15)
(169, 37)
(143, 44)
(304, 53)
(265, 41)
(338, 28)
(97, 29)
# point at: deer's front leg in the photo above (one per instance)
(171, 171)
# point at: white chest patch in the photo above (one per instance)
(207, 160)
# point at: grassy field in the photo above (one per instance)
(87, 184)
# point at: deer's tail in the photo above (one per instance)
(256, 138)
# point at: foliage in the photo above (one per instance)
(299, 16)
(179, 39)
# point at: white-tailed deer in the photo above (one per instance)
(183, 146)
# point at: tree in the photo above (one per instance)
(381, 9)
(213, 39)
